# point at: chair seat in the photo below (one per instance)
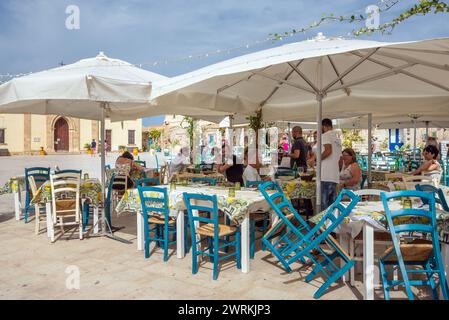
(257, 216)
(378, 236)
(160, 220)
(64, 205)
(419, 252)
(208, 230)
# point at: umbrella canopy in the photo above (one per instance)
(355, 77)
(76, 90)
(336, 78)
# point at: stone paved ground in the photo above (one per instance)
(32, 268)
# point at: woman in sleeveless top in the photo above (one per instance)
(350, 174)
(430, 166)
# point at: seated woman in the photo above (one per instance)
(350, 173)
(125, 164)
(430, 166)
(234, 171)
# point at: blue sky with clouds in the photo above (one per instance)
(33, 35)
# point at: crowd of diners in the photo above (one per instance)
(339, 167)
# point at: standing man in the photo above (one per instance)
(330, 156)
(298, 154)
(93, 146)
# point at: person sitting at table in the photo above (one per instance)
(251, 172)
(350, 173)
(126, 160)
(234, 171)
(180, 162)
(430, 166)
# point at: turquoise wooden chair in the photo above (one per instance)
(335, 261)
(208, 180)
(296, 240)
(217, 235)
(288, 229)
(419, 253)
(437, 192)
(40, 175)
(254, 218)
(155, 200)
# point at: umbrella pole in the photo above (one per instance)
(103, 164)
(106, 230)
(318, 155)
(414, 139)
(370, 147)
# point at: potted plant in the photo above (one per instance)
(87, 147)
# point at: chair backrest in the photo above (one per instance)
(437, 192)
(40, 175)
(80, 172)
(208, 180)
(148, 182)
(154, 199)
(411, 181)
(141, 163)
(368, 194)
(163, 173)
(282, 206)
(191, 200)
(65, 186)
(32, 184)
(415, 216)
(252, 184)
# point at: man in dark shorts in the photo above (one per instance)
(298, 153)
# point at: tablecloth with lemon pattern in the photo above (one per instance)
(236, 208)
(89, 189)
(298, 189)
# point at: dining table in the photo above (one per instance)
(237, 207)
(369, 217)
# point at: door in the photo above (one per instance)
(61, 135)
(108, 140)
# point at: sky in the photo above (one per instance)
(34, 37)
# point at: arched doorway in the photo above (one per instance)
(61, 135)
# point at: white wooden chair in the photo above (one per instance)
(37, 206)
(411, 181)
(380, 238)
(65, 189)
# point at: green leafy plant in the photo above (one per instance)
(350, 136)
(418, 9)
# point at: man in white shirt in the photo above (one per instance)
(330, 156)
(180, 162)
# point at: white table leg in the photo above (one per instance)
(368, 261)
(96, 224)
(17, 204)
(140, 231)
(245, 244)
(344, 243)
(180, 245)
(49, 217)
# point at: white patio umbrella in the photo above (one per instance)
(350, 77)
(95, 89)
